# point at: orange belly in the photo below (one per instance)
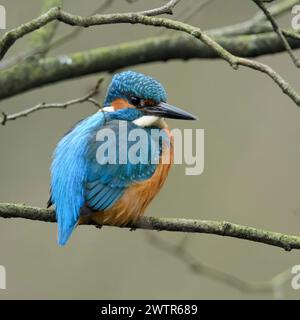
(136, 198)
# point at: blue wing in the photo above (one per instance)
(69, 172)
(106, 182)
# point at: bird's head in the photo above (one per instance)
(135, 97)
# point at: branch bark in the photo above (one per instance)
(57, 14)
(31, 75)
(221, 228)
(41, 38)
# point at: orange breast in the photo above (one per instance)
(137, 197)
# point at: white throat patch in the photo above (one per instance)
(146, 121)
(108, 109)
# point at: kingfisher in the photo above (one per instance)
(85, 190)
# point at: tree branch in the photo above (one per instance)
(41, 38)
(252, 26)
(221, 228)
(57, 14)
(29, 75)
(278, 30)
(165, 9)
(258, 23)
(44, 106)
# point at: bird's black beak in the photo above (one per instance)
(164, 110)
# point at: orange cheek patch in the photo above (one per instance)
(121, 104)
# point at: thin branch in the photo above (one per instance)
(291, 34)
(221, 228)
(181, 252)
(30, 75)
(56, 13)
(74, 33)
(43, 106)
(165, 9)
(42, 37)
(186, 15)
(280, 81)
(256, 24)
(279, 31)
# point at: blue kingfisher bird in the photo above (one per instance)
(85, 190)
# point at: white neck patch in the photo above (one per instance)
(108, 109)
(146, 121)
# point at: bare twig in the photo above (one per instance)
(181, 252)
(257, 24)
(221, 228)
(165, 9)
(279, 31)
(291, 34)
(186, 15)
(44, 106)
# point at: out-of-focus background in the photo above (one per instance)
(251, 176)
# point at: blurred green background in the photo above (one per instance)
(251, 175)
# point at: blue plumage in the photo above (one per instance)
(69, 173)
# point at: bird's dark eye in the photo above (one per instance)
(135, 101)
